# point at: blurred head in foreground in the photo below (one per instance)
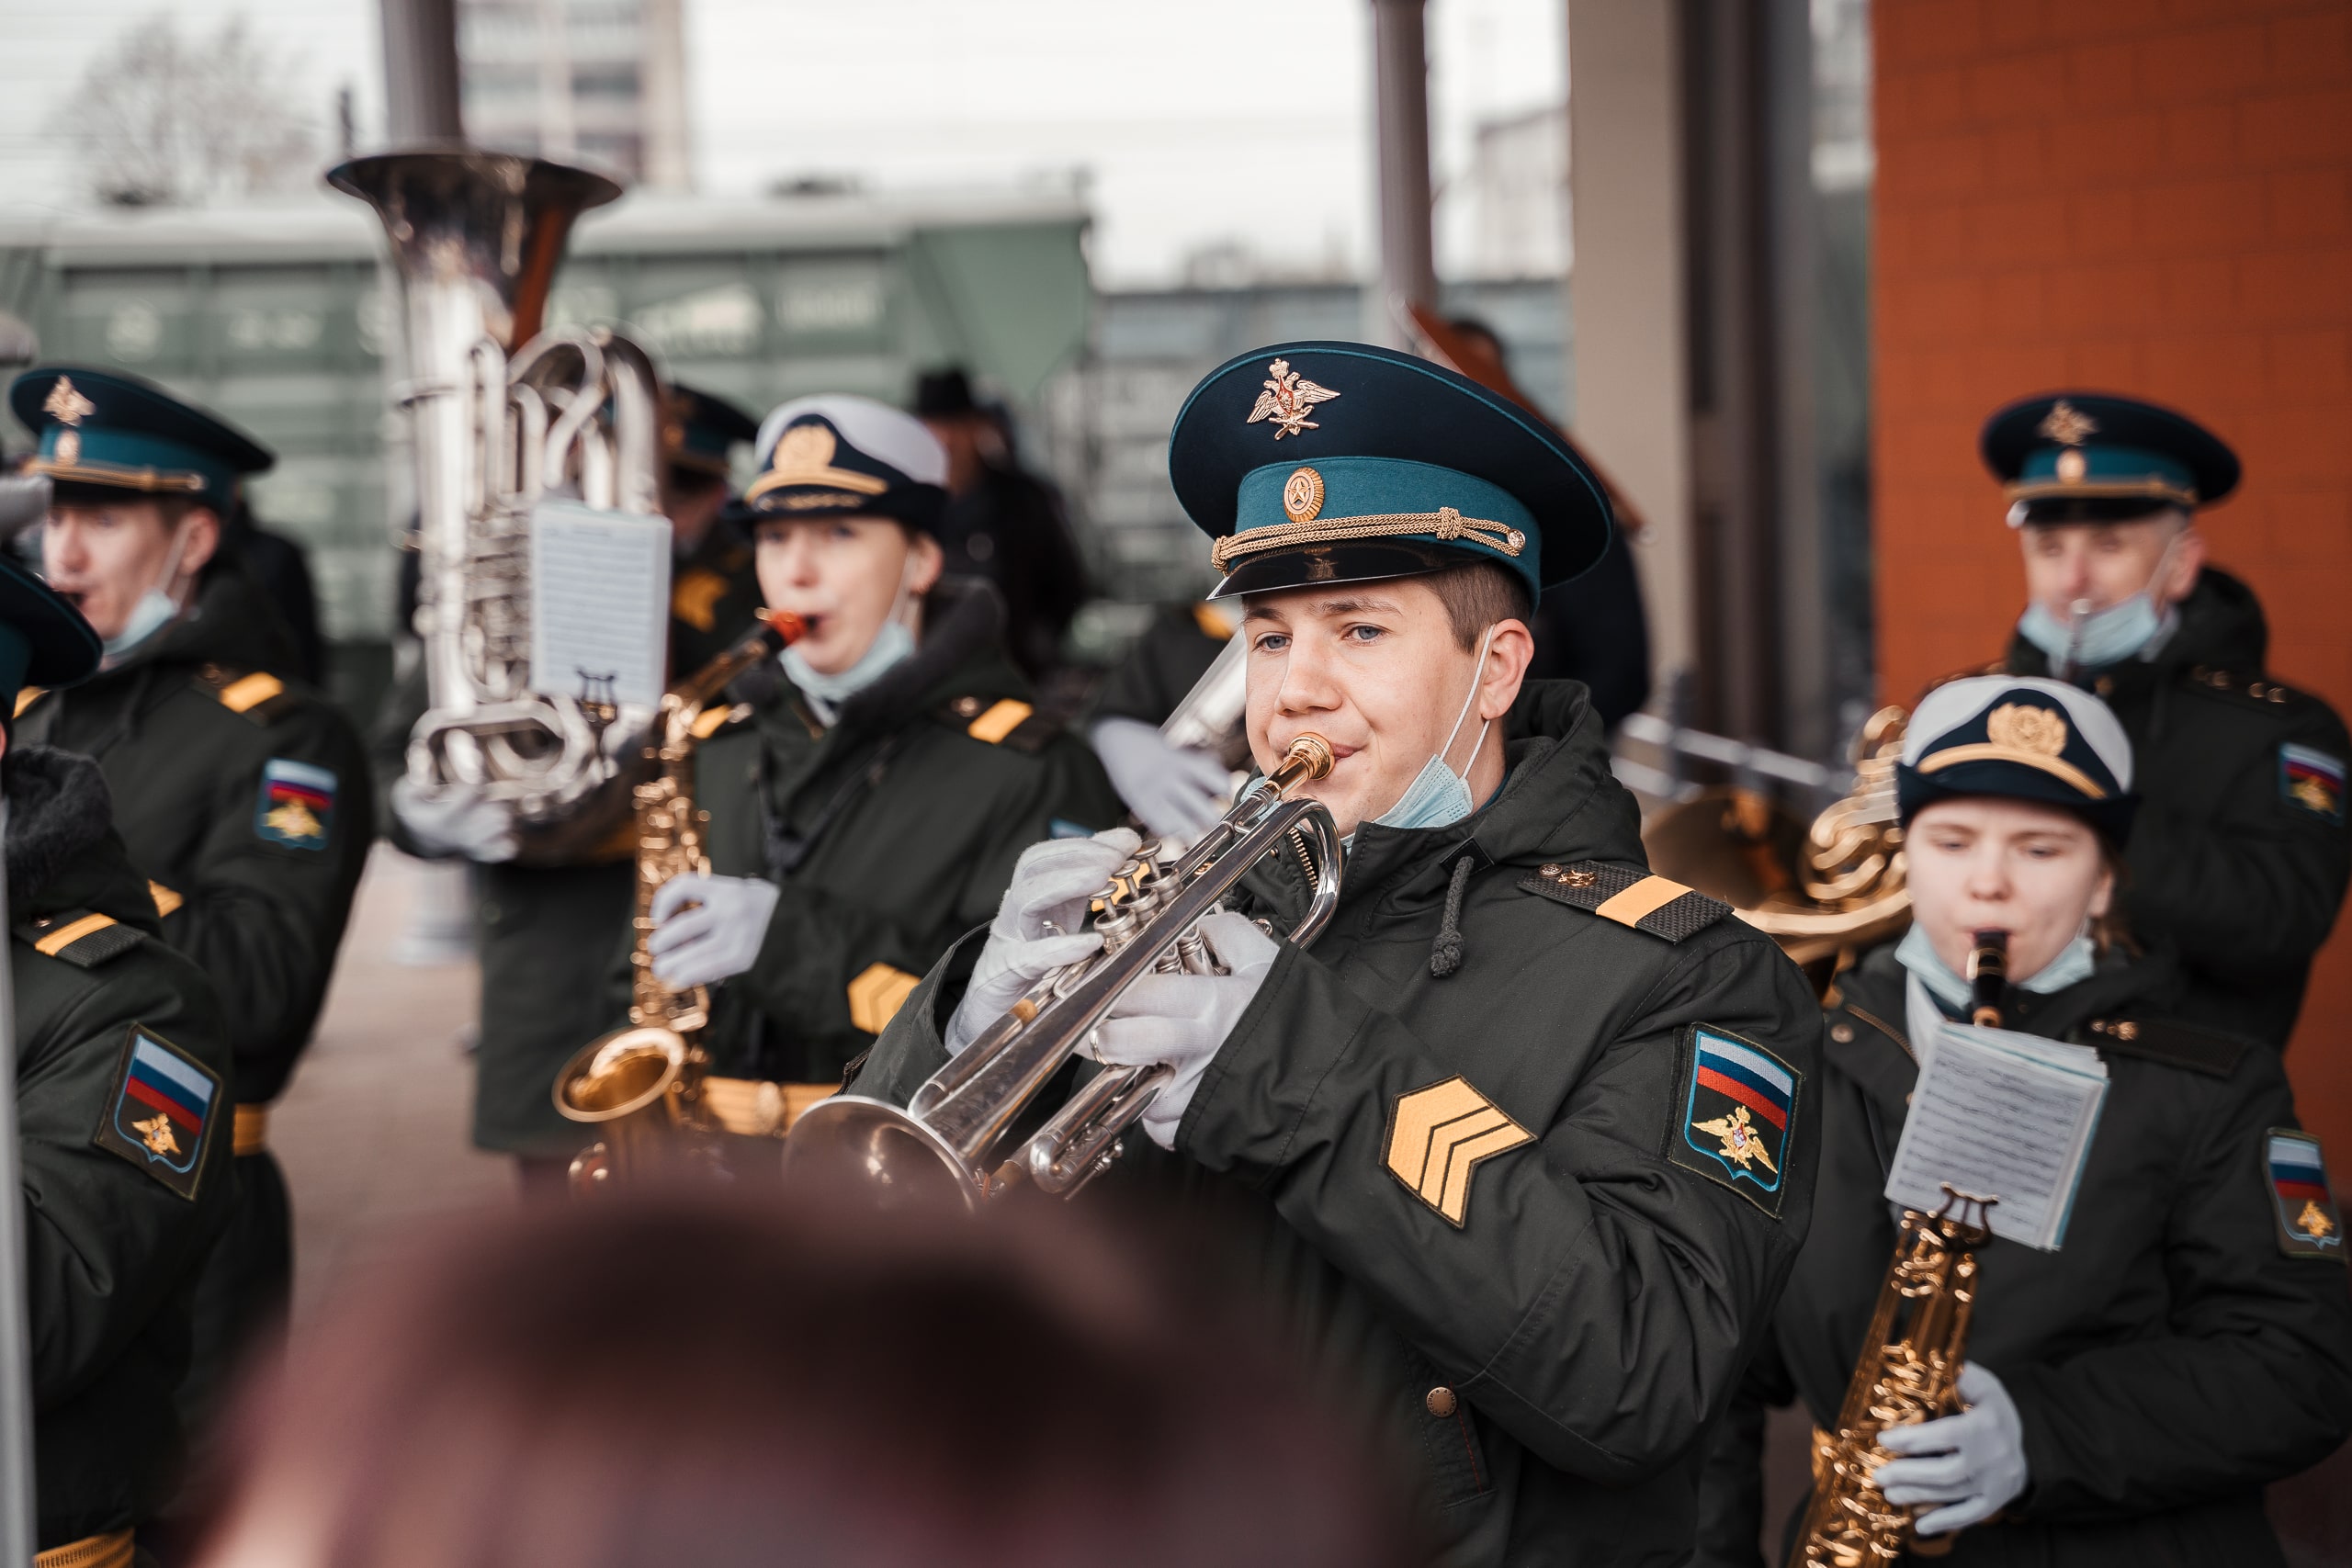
(677, 1380)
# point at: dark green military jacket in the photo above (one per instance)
(892, 832)
(2238, 856)
(2184, 1349)
(111, 1024)
(1484, 1202)
(714, 593)
(243, 798)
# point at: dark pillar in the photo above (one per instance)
(421, 71)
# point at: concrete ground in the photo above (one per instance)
(374, 1132)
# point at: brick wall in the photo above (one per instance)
(2151, 197)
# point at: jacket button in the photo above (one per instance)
(1441, 1401)
(1549, 870)
(2127, 1029)
(1842, 1032)
(2106, 684)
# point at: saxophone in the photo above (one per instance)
(1912, 1353)
(641, 1086)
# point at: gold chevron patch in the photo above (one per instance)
(1437, 1139)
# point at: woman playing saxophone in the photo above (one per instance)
(2125, 1398)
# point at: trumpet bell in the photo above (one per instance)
(877, 1152)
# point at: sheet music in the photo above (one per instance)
(2004, 1116)
(600, 604)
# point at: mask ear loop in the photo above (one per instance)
(171, 572)
(1445, 752)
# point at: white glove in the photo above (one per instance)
(456, 821)
(707, 928)
(1974, 1461)
(1183, 1019)
(1179, 793)
(1041, 924)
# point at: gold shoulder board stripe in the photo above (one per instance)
(999, 721)
(1438, 1138)
(250, 691)
(875, 996)
(65, 937)
(166, 900)
(27, 696)
(113, 1550)
(252, 1130)
(1641, 900)
(756, 1107)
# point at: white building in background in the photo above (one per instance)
(602, 80)
(1516, 190)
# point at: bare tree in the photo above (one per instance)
(161, 119)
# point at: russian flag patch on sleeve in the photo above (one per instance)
(161, 1110)
(2310, 1225)
(2312, 781)
(1735, 1105)
(297, 805)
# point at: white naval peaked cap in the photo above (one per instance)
(878, 431)
(1961, 704)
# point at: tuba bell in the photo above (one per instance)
(505, 413)
(948, 1143)
(1824, 892)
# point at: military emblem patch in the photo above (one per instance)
(161, 1110)
(2310, 1225)
(2312, 781)
(1438, 1137)
(297, 805)
(1738, 1102)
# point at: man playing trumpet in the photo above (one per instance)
(1457, 1130)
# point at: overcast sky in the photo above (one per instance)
(1197, 120)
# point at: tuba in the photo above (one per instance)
(1823, 893)
(640, 1088)
(948, 1140)
(503, 414)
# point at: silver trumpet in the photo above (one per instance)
(504, 415)
(947, 1139)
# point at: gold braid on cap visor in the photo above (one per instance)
(1987, 751)
(1445, 523)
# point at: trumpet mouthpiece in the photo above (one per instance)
(1309, 758)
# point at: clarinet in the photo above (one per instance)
(1988, 976)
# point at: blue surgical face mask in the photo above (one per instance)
(2093, 639)
(154, 610)
(1915, 952)
(891, 646)
(1438, 794)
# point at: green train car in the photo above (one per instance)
(283, 317)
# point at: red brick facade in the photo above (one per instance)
(2150, 196)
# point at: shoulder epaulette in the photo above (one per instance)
(1656, 906)
(2258, 689)
(718, 716)
(80, 937)
(2174, 1044)
(1007, 721)
(258, 695)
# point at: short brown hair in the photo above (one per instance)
(1478, 593)
(726, 1381)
